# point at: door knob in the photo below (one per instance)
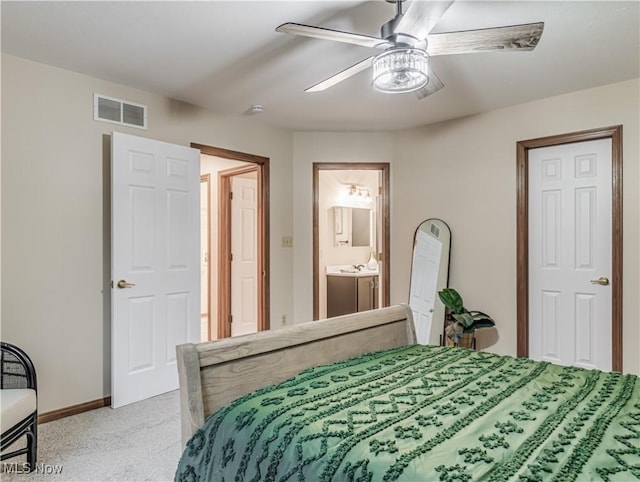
(123, 284)
(603, 280)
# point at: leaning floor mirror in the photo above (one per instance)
(429, 274)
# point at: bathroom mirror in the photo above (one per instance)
(429, 274)
(352, 227)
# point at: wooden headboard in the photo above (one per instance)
(215, 373)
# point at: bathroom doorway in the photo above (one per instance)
(350, 237)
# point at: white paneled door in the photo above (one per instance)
(570, 254)
(424, 286)
(244, 249)
(155, 268)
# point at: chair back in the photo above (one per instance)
(16, 368)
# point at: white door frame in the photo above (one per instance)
(615, 134)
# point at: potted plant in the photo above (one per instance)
(462, 322)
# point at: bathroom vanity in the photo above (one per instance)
(350, 290)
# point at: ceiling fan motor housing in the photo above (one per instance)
(404, 41)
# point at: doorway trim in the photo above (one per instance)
(261, 165)
(522, 311)
(384, 167)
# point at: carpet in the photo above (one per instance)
(137, 442)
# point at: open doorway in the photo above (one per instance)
(235, 281)
(350, 237)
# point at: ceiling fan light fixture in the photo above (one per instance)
(400, 70)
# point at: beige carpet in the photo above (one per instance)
(137, 442)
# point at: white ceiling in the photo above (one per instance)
(226, 56)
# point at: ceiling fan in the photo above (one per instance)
(407, 44)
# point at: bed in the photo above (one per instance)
(354, 399)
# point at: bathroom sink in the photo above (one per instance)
(350, 270)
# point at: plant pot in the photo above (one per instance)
(468, 340)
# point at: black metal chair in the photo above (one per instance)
(18, 389)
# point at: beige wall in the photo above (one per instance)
(55, 213)
(55, 216)
(464, 172)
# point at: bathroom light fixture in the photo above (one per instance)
(358, 196)
(360, 191)
(400, 70)
(354, 196)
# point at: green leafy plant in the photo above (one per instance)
(464, 321)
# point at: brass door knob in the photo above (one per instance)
(603, 280)
(123, 284)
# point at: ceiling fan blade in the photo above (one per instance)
(335, 35)
(434, 85)
(340, 76)
(514, 37)
(420, 17)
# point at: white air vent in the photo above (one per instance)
(116, 111)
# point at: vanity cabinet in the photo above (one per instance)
(350, 294)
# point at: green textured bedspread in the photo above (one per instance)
(423, 413)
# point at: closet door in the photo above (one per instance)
(570, 254)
